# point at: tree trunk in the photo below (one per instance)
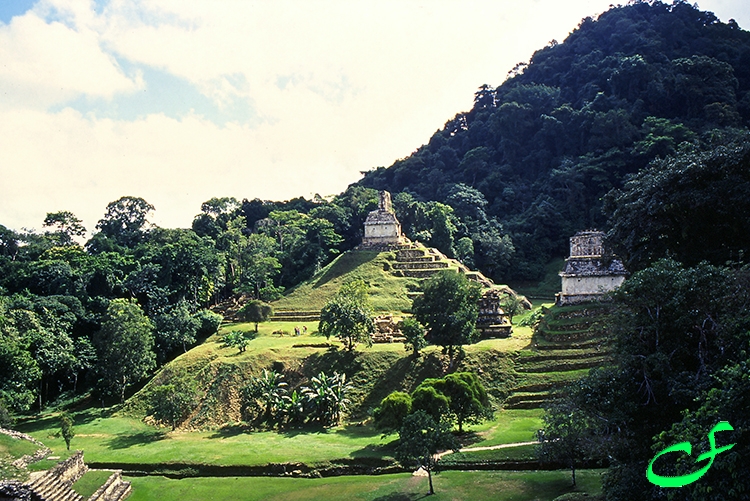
(573, 472)
(429, 477)
(122, 393)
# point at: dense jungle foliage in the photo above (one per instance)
(534, 158)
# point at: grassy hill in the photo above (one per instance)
(388, 293)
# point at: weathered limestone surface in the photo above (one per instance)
(381, 226)
(492, 320)
(589, 272)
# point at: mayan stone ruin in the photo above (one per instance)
(382, 229)
(589, 272)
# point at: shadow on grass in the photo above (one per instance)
(30, 424)
(345, 264)
(400, 496)
(356, 430)
(375, 450)
(304, 429)
(230, 431)
(467, 438)
(140, 438)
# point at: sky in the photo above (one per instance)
(178, 102)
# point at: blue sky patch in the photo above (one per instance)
(12, 8)
(164, 93)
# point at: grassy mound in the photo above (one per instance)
(221, 373)
(387, 291)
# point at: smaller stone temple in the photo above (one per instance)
(382, 229)
(492, 321)
(589, 272)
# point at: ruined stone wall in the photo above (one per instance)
(382, 231)
(70, 470)
(587, 243)
(590, 284)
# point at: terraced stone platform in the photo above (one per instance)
(566, 344)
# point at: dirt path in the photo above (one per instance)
(488, 448)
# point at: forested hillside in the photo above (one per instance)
(534, 158)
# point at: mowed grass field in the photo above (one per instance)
(117, 439)
(449, 485)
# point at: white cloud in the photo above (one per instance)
(43, 64)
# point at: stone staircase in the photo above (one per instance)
(567, 343)
(416, 261)
(295, 316)
(55, 484)
(114, 489)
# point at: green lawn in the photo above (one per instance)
(509, 426)
(10, 450)
(520, 453)
(90, 482)
(126, 440)
(387, 292)
(16, 448)
(449, 485)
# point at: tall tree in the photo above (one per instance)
(448, 308)
(66, 227)
(420, 438)
(125, 346)
(125, 220)
(348, 316)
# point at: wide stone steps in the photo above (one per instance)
(421, 273)
(295, 316)
(562, 365)
(411, 258)
(50, 488)
(572, 345)
(419, 265)
(562, 355)
(529, 400)
(114, 489)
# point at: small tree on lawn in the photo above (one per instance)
(348, 316)
(512, 305)
(256, 312)
(235, 339)
(420, 438)
(66, 428)
(393, 409)
(449, 308)
(428, 399)
(468, 399)
(565, 436)
(414, 334)
(458, 396)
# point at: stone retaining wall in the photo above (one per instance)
(26, 460)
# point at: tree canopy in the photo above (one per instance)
(448, 308)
